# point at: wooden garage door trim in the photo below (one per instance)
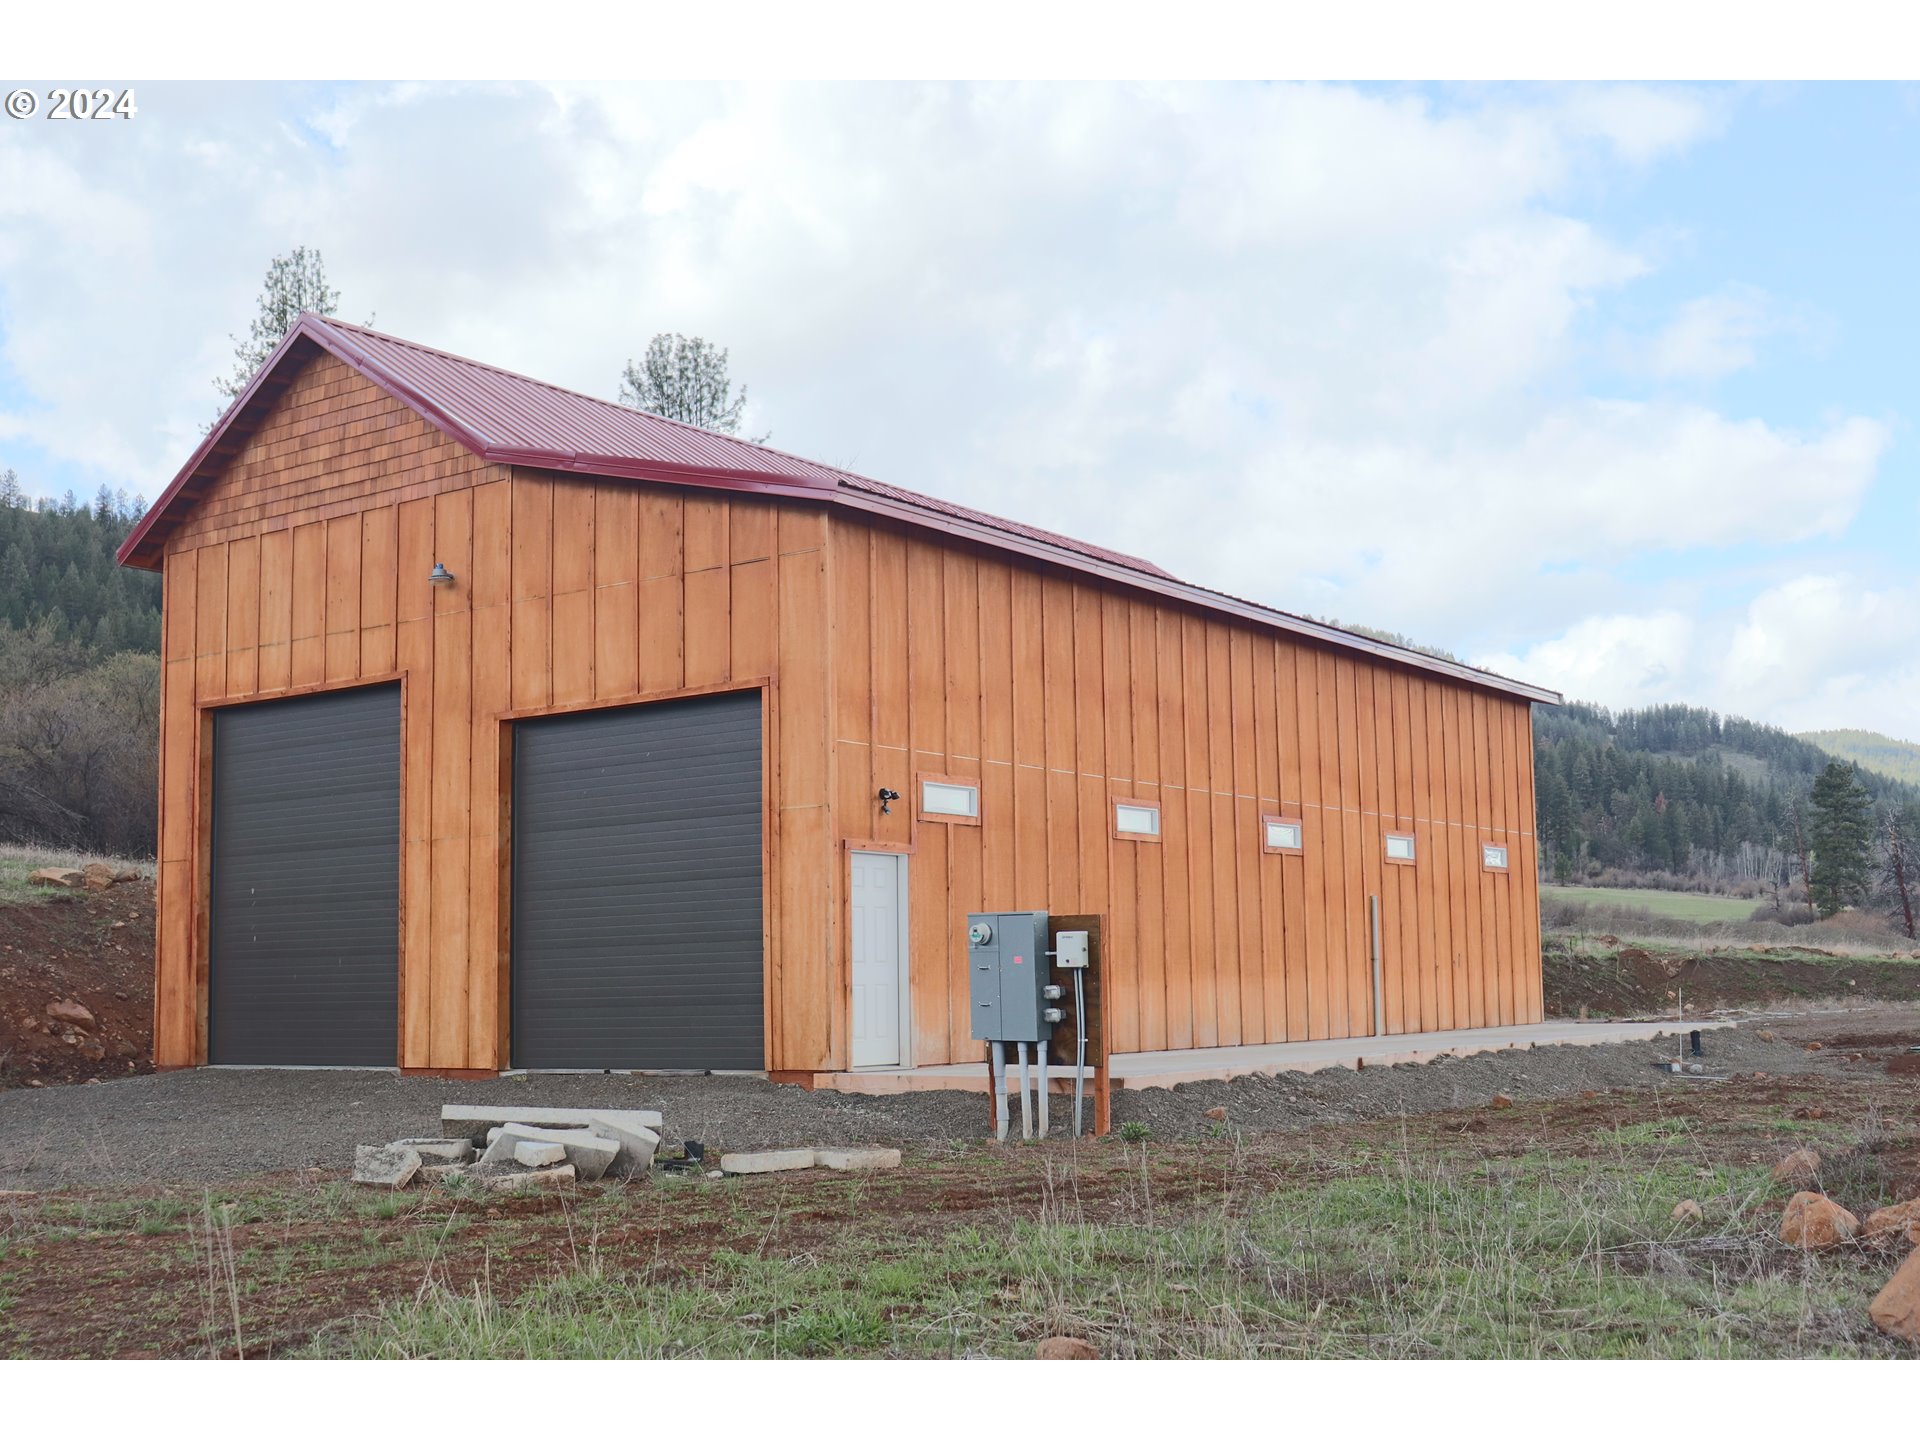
(556, 727)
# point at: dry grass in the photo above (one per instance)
(19, 861)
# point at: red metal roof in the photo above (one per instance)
(512, 419)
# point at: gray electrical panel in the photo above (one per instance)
(1007, 971)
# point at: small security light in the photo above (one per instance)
(887, 797)
(441, 575)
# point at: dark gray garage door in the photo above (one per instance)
(305, 966)
(636, 888)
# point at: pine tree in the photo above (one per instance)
(1842, 838)
(294, 283)
(685, 378)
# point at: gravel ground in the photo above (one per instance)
(195, 1126)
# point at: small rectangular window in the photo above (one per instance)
(944, 797)
(1135, 821)
(1400, 849)
(1278, 833)
(1494, 857)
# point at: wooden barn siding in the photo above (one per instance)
(1059, 694)
(569, 593)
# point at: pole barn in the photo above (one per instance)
(507, 727)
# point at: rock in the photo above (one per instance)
(1218, 1112)
(762, 1162)
(538, 1154)
(1813, 1222)
(1503, 1102)
(1896, 1309)
(472, 1122)
(1815, 1045)
(1589, 1094)
(1064, 1347)
(391, 1167)
(60, 877)
(448, 1152)
(557, 1177)
(1890, 1221)
(637, 1142)
(98, 877)
(1766, 1035)
(1801, 1168)
(127, 877)
(586, 1154)
(870, 1159)
(71, 1012)
(1689, 1210)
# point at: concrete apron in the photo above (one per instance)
(1150, 1069)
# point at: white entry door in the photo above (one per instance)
(877, 888)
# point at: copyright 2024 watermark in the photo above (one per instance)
(24, 103)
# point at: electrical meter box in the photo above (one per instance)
(1006, 971)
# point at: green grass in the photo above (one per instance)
(1673, 904)
(1388, 1254)
(17, 862)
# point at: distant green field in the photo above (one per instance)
(1674, 904)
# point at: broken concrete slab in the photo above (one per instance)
(556, 1177)
(471, 1122)
(763, 1162)
(433, 1149)
(637, 1143)
(391, 1167)
(857, 1159)
(538, 1154)
(588, 1154)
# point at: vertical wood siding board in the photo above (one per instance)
(927, 879)
(1431, 878)
(1406, 882)
(1485, 815)
(662, 526)
(1198, 814)
(853, 651)
(1176, 888)
(1289, 876)
(1317, 846)
(926, 660)
(1513, 883)
(210, 624)
(1248, 1011)
(960, 623)
(889, 627)
(379, 540)
(450, 709)
(1531, 864)
(243, 616)
(1460, 797)
(178, 600)
(491, 695)
(1333, 848)
(1375, 807)
(414, 643)
(1501, 743)
(750, 530)
(810, 958)
(704, 535)
(1145, 863)
(1224, 871)
(276, 609)
(307, 662)
(346, 543)
(574, 505)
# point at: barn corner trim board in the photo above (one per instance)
(516, 556)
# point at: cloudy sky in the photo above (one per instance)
(1607, 388)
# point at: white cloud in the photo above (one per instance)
(1617, 660)
(1311, 344)
(1712, 336)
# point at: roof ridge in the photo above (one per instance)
(616, 405)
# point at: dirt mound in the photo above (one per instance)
(1613, 981)
(76, 987)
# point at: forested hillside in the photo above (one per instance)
(1675, 792)
(79, 676)
(1882, 754)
